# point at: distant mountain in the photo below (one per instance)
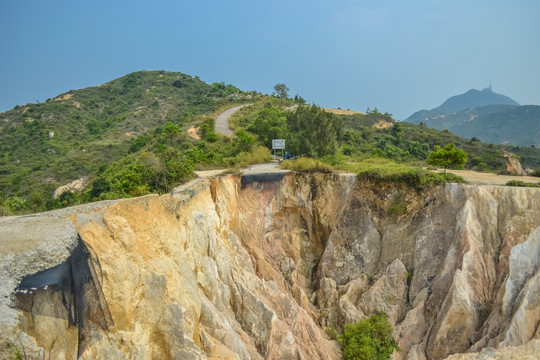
(486, 115)
(475, 98)
(471, 99)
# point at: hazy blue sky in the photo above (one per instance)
(399, 56)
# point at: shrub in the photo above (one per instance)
(207, 131)
(478, 163)
(260, 155)
(520, 183)
(306, 164)
(370, 338)
(398, 205)
(331, 332)
(15, 204)
(387, 171)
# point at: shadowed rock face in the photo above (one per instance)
(225, 268)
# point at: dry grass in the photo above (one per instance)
(306, 164)
(342, 111)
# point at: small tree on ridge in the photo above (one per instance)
(447, 157)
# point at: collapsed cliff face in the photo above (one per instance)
(257, 267)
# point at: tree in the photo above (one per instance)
(270, 123)
(244, 140)
(369, 339)
(100, 186)
(313, 131)
(397, 131)
(281, 91)
(447, 157)
(171, 131)
(207, 130)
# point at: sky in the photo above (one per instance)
(397, 55)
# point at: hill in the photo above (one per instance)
(378, 134)
(45, 145)
(475, 98)
(490, 117)
(147, 132)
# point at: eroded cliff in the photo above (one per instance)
(257, 268)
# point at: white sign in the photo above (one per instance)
(278, 144)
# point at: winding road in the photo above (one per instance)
(222, 120)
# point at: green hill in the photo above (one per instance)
(129, 137)
(43, 146)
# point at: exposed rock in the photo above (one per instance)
(388, 293)
(75, 185)
(528, 351)
(513, 165)
(224, 269)
(411, 333)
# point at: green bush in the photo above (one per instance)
(398, 205)
(14, 204)
(369, 339)
(306, 164)
(387, 171)
(478, 163)
(520, 183)
(260, 155)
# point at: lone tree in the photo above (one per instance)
(447, 157)
(281, 91)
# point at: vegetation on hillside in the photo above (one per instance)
(81, 132)
(491, 117)
(130, 137)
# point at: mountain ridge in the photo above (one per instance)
(470, 99)
(486, 115)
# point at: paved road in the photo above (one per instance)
(271, 167)
(222, 121)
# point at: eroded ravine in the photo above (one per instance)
(259, 267)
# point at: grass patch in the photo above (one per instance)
(259, 155)
(398, 206)
(308, 165)
(380, 170)
(231, 171)
(520, 183)
(331, 332)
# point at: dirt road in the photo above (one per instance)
(473, 177)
